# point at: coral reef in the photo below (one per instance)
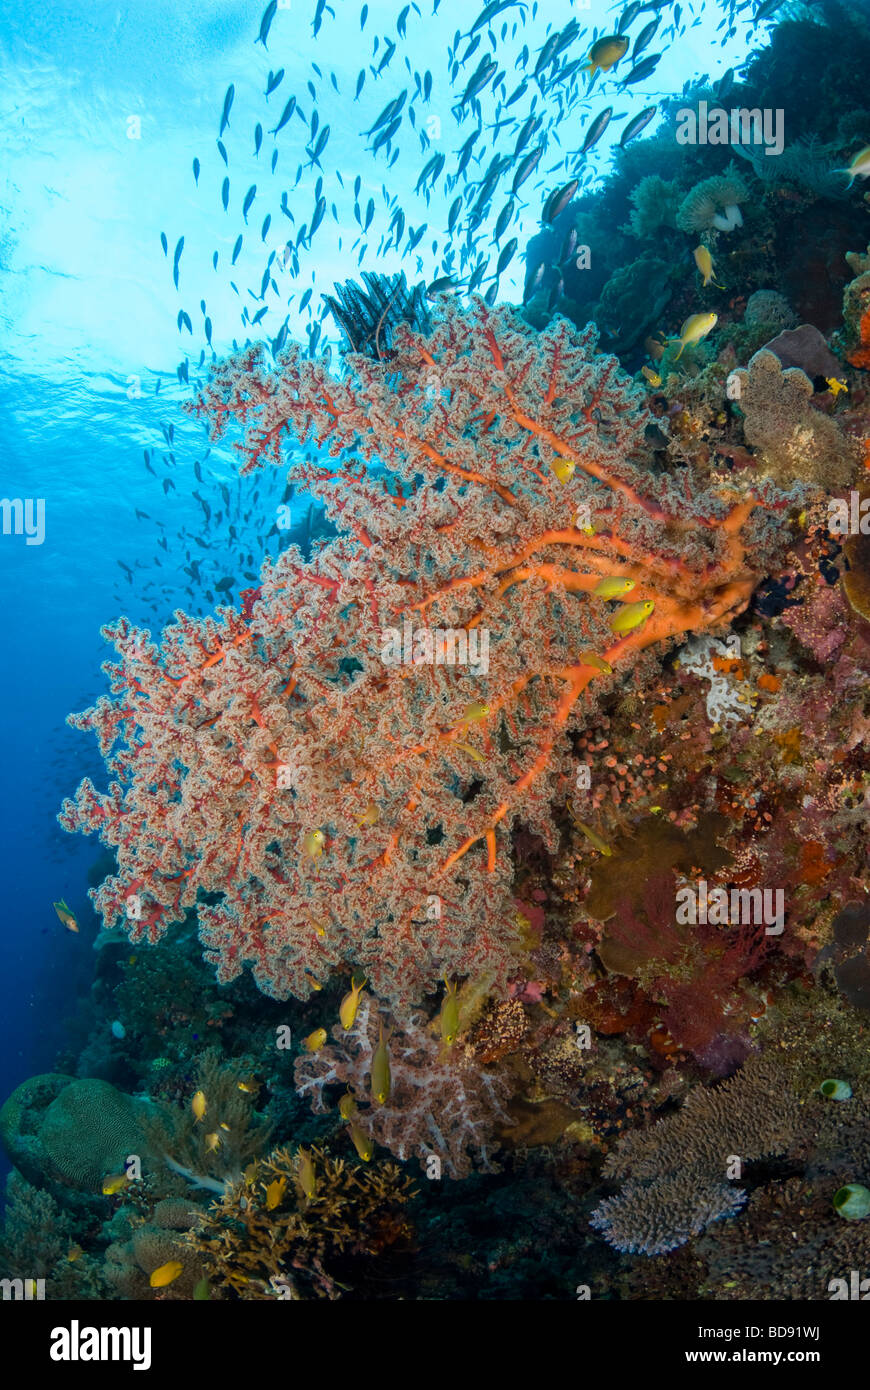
(770, 308)
(654, 204)
(75, 1132)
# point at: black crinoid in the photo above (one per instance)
(368, 317)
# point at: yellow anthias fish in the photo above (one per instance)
(587, 658)
(704, 262)
(859, 166)
(212, 1142)
(652, 377)
(74, 1253)
(313, 843)
(66, 915)
(472, 752)
(594, 839)
(563, 469)
(631, 615)
(362, 1142)
(166, 1274)
(274, 1193)
(347, 1106)
(606, 53)
(476, 711)
(613, 588)
(347, 1009)
(315, 1041)
(835, 386)
(370, 816)
(307, 1176)
(696, 327)
(449, 1014)
(198, 1106)
(381, 1078)
(114, 1184)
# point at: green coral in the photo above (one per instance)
(56, 1129)
(634, 299)
(654, 204)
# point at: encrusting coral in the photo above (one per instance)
(796, 441)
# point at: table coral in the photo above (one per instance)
(268, 763)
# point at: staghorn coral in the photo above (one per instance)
(796, 442)
(713, 204)
(270, 763)
(441, 1102)
(265, 1240)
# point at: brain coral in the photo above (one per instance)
(713, 203)
(88, 1131)
(770, 308)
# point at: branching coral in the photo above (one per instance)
(271, 763)
(265, 1239)
(211, 1151)
(441, 1102)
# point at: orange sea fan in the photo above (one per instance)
(333, 803)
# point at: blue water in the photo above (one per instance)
(103, 107)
